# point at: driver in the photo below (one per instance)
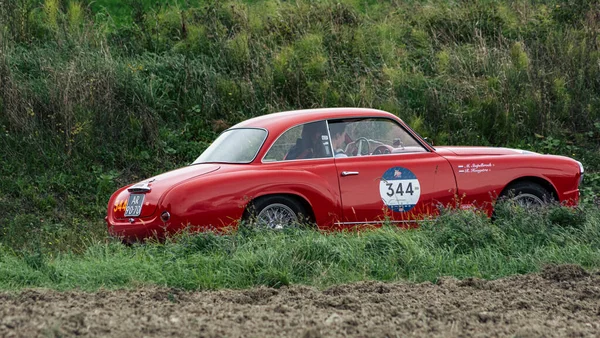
(338, 138)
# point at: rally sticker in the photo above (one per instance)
(399, 189)
(475, 168)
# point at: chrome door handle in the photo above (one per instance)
(348, 173)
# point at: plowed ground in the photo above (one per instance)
(562, 301)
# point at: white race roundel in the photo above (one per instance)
(399, 189)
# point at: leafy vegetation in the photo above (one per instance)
(97, 94)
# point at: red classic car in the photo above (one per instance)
(336, 168)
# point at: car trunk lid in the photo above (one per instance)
(146, 194)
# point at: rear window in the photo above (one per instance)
(234, 146)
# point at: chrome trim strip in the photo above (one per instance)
(581, 173)
(330, 139)
(139, 187)
(581, 170)
(296, 160)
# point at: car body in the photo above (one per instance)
(375, 169)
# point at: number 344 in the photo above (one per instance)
(399, 189)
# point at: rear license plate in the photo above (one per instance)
(134, 205)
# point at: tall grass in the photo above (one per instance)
(94, 94)
(460, 244)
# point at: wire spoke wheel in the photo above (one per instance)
(528, 201)
(277, 216)
(527, 195)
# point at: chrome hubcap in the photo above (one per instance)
(277, 216)
(528, 201)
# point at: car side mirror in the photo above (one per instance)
(428, 140)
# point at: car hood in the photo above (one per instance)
(479, 151)
(155, 187)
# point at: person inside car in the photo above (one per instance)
(338, 138)
(309, 145)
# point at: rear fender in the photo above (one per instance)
(220, 200)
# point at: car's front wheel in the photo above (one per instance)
(527, 194)
(275, 212)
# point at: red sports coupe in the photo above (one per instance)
(336, 168)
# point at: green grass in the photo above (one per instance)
(460, 244)
(98, 94)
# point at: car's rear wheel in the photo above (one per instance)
(527, 194)
(276, 212)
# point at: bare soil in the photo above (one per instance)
(561, 301)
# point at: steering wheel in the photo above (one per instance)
(383, 149)
(358, 147)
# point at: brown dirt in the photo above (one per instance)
(561, 301)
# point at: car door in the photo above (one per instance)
(301, 163)
(384, 173)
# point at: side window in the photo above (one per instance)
(304, 141)
(371, 137)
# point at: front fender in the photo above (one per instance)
(481, 179)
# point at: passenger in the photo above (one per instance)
(310, 144)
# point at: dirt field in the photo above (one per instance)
(562, 301)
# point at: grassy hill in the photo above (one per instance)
(96, 94)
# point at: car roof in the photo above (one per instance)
(291, 118)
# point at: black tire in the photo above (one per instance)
(290, 209)
(527, 194)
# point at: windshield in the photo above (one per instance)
(234, 146)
